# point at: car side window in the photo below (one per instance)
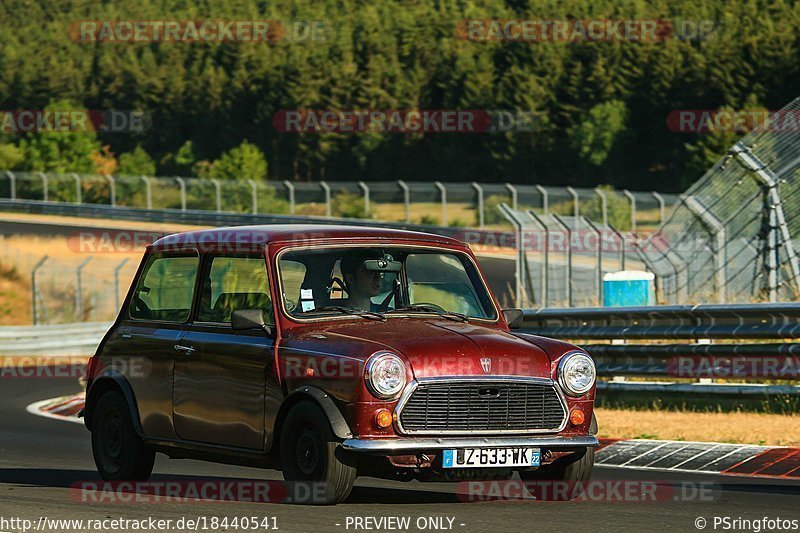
(165, 289)
(231, 283)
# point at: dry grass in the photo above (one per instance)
(735, 427)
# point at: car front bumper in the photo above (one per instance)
(412, 445)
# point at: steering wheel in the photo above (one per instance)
(427, 304)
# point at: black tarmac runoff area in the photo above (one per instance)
(42, 461)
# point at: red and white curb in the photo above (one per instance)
(63, 408)
(638, 454)
(701, 457)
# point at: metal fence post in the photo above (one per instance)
(662, 210)
(218, 190)
(632, 198)
(79, 290)
(78, 192)
(365, 192)
(148, 191)
(568, 284)
(182, 184)
(45, 186)
(34, 289)
(112, 188)
(708, 219)
(576, 202)
(12, 183)
(603, 204)
(543, 192)
(406, 199)
(254, 192)
(599, 260)
(443, 196)
(513, 191)
(116, 281)
(622, 245)
(327, 189)
(545, 258)
(479, 190)
(290, 187)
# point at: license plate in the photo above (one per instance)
(490, 457)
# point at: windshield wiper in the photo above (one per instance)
(372, 315)
(450, 315)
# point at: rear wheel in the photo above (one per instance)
(308, 457)
(119, 453)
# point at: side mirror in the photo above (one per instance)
(243, 319)
(513, 318)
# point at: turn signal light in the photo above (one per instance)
(383, 418)
(577, 417)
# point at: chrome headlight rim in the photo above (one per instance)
(373, 363)
(562, 381)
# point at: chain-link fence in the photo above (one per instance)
(46, 280)
(733, 237)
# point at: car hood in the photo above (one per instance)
(437, 347)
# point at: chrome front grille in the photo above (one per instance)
(490, 405)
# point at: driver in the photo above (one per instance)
(361, 284)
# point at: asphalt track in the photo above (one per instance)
(41, 458)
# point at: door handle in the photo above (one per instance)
(188, 350)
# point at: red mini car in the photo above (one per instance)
(332, 351)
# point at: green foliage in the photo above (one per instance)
(11, 155)
(491, 210)
(348, 205)
(61, 151)
(594, 137)
(429, 219)
(600, 107)
(618, 208)
(137, 163)
(243, 162)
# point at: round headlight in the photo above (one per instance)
(576, 373)
(385, 375)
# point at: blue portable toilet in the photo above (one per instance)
(628, 287)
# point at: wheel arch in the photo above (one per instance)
(101, 386)
(308, 393)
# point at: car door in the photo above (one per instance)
(156, 319)
(224, 380)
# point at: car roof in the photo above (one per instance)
(273, 233)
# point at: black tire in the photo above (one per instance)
(118, 451)
(562, 479)
(308, 458)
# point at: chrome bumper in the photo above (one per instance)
(402, 445)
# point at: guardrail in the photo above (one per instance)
(679, 344)
(732, 322)
(211, 218)
(59, 339)
(661, 324)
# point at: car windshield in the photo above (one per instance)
(378, 283)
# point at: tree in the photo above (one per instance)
(242, 162)
(594, 137)
(11, 155)
(137, 163)
(62, 151)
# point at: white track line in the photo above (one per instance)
(36, 409)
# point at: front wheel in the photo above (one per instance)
(119, 452)
(563, 479)
(308, 457)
